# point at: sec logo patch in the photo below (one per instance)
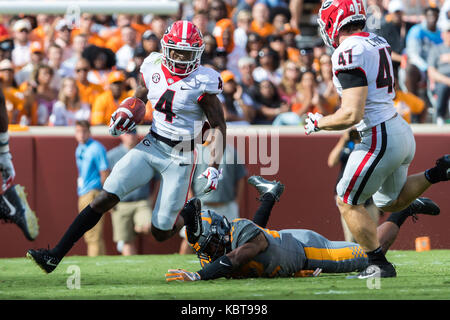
(156, 77)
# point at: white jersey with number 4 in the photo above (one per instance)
(177, 114)
(371, 54)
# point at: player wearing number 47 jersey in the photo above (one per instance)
(183, 94)
(378, 167)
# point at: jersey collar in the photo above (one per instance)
(171, 78)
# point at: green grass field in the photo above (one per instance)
(421, 275)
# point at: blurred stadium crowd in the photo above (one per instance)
(274, 66)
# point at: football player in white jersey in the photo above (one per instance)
(183, 95)
(378, 167)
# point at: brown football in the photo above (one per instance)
(136, 108)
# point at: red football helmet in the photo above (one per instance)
(334, 14)
(185, 40)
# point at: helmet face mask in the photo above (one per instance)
(182, 46)
(214, 242)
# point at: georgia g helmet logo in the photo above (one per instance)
(334, 14)
(185, 38)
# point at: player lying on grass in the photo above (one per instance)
(244, 249)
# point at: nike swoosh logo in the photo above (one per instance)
(184, 164)
(183, 88)
(50, 263)
(225, 264)
(197, 232)
(10, 206)
(420, 201)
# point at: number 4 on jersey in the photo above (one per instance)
(164, 105)
(384, 78)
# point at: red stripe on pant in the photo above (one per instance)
(361, 165)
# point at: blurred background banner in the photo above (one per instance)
(96, 7)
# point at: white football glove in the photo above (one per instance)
(181, 275)
(118, 126)
(7, 171)
(311, 122)
(213, 175)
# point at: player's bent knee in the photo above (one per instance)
(104, 201)
(161, 235)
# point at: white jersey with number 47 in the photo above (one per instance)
(177, 114)
(371, 54)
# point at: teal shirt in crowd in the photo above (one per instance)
(91, 160)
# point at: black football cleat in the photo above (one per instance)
(14, 208)
(264, 186)
(443, 164)
(376, 271)
(44, 259)
(194, 229)
(423, 206)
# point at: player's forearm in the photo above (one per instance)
(218, 143)
(213, 110)
(340, 120)
(350, 113)
(222, 267)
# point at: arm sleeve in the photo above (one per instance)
(352, 78)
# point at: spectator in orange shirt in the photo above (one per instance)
(14, 99)
(260, 23)
(43, 31)
(102, 62)
(107, 102)
(88, 91)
